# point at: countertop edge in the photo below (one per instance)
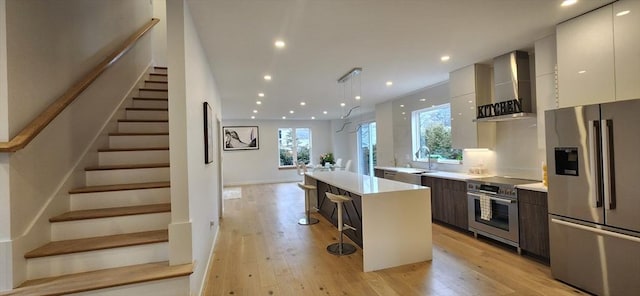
(533, 187)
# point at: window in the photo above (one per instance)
(294, 144)
(367, 147)
(431, 129)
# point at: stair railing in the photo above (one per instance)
(27, 134)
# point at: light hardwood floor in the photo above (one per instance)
(261, 250)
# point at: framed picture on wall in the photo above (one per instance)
(240, 138)
(208, 133)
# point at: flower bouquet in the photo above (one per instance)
(326, 158)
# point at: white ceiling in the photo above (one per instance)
(392, 40)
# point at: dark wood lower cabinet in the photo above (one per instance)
(534, 224)
(352, 211)
(448, 201)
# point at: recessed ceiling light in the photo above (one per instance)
(258, 102)
(342, 104)
(291, 111)
(303, 103)
(568, 2)
(313, 117)
(403, 113)
(255, 111)
(284, 117)
(357, 97)
(445, 58)
(261, 95)
(389, 83)
(279, 44)
(422, 100)
(582, 71)
(401, 106)
(470, 101)
(324, 112)
(253, 117)
(267, 77)
(624, 12)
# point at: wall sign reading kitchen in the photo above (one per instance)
(500, 108)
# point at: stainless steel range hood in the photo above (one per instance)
(512, 89)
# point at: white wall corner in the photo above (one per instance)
(6, 272)
(4, 100)
(216, 231)
(180, 243)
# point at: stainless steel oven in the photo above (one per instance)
(493, 208)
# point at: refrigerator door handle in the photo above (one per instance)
(594, 150)
(607, 165)
(596, 230)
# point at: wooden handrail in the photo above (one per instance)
(32, 129)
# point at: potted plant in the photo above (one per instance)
(327, 158)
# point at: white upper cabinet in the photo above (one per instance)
(468, 88)
(586, 59)
(626, 30)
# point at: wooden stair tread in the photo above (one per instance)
(111, 212)
(158, 74)
(99, 243)
(144, 120)
(120, 187)
(132, 149)
(138, 134)
(151, 99)
(153, 81)
(146, 109)
(100, 279)
(160, 67)
(152, 89)
(127, 166)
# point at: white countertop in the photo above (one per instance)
(361, 184)
(436, 174)
(454, 176)
(403, 170)
(533, 186)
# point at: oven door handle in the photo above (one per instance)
(504, 200)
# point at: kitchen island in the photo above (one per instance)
(392, 219)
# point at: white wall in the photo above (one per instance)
(5, 207)
(159, 34)
(50, 45)
(194, 184)
(384, 134)
(261, 166)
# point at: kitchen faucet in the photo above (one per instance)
(424, 150)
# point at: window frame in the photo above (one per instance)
(294, 148)
(416, 134)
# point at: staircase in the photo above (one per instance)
(114, 241)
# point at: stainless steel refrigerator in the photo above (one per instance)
(593, 163)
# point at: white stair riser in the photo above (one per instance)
(109, 226)
(94, 260)
(127, 176)
(155, 85)
(150, 103)
(153, 94)
(158, 78)
(116, 142)
(166, 287)
(121, 198)
(143, 127)
(145, 114)
(133, 157)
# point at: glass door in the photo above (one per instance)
(367, 148)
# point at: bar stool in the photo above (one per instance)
(307, 220)
(340, 248)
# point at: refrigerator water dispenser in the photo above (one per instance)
(566, 161)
